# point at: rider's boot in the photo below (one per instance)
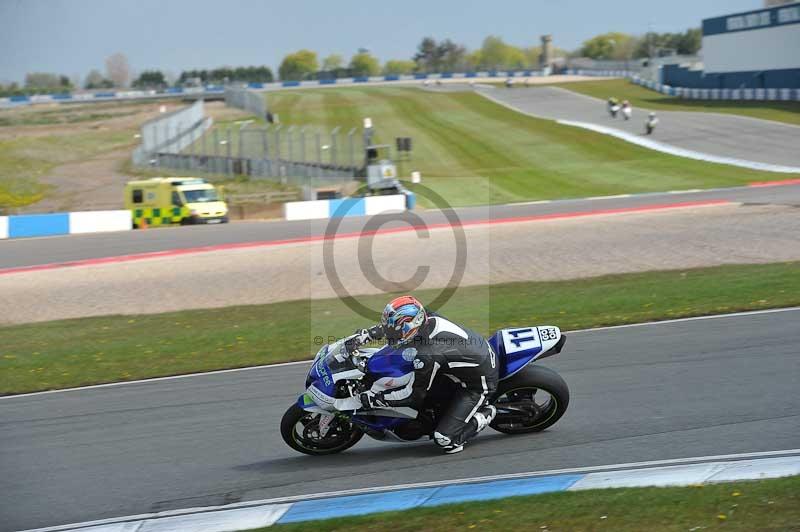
(485, 417)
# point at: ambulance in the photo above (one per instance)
(174, 200)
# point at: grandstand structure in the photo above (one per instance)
(757, 49)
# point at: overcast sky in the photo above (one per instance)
(74, 36)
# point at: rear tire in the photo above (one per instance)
(350, 434)
(533, 379)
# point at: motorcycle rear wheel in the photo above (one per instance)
(342, 434)
(532, 414)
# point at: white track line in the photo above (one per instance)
(268, 366)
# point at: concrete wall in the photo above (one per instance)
(64, 223)
(336, 208)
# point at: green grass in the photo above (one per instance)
(23, 160)
(765, 505)
(68, 353)
(788, 112)
(513, 157)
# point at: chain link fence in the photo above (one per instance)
(186, 142)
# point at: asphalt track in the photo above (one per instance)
(718, 134)
(39, 251)
(658, 391)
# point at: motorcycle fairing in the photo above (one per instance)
(517, 347)
(391, 362)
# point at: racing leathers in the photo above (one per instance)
(443, 348)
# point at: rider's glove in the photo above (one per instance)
(372, 400)
(362, 337)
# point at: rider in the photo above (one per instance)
(437, 346)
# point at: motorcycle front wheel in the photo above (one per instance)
(301, 431)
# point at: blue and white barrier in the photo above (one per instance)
(768, 95)
(255, 514)
(64, 223)
(338, 208)
(210, 90)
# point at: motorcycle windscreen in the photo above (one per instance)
(517, 347)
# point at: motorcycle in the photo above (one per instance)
(328, 417)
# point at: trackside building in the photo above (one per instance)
(755, 49)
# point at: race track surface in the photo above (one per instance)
(713, 133)
(659, 391)
(493, 253)
(37, 251)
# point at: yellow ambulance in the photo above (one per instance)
(174, 200)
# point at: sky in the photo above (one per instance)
(72, 37)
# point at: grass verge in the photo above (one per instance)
(67, 353)
(765, 505)
(23, 160)
(516, 157)
(788, 112)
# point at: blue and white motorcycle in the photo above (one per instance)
(328, 417)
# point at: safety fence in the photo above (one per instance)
(246, 100)
(171, 133)
(296, 155)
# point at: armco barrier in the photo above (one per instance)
(64, 223)
(338, 208)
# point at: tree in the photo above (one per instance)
(532, 56)
(44, 80)
(364, 64)
(473, 61)
(607, 46)
(95, 80)
(299, 65)
(332, 62)
(451, 56)
(658, 44)
(117, 69)
(690, 41)
(150, 79)
(428, 55)
(496, 54)
(398, 67)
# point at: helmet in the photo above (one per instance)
(402, 319)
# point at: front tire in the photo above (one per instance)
(523, 391)
(298, 431)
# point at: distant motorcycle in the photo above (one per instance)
(328, 418)
(627, 110)
(650, 125)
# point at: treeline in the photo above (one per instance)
(38, 83)
(622, 46)
(431, 56)
(221, 75)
